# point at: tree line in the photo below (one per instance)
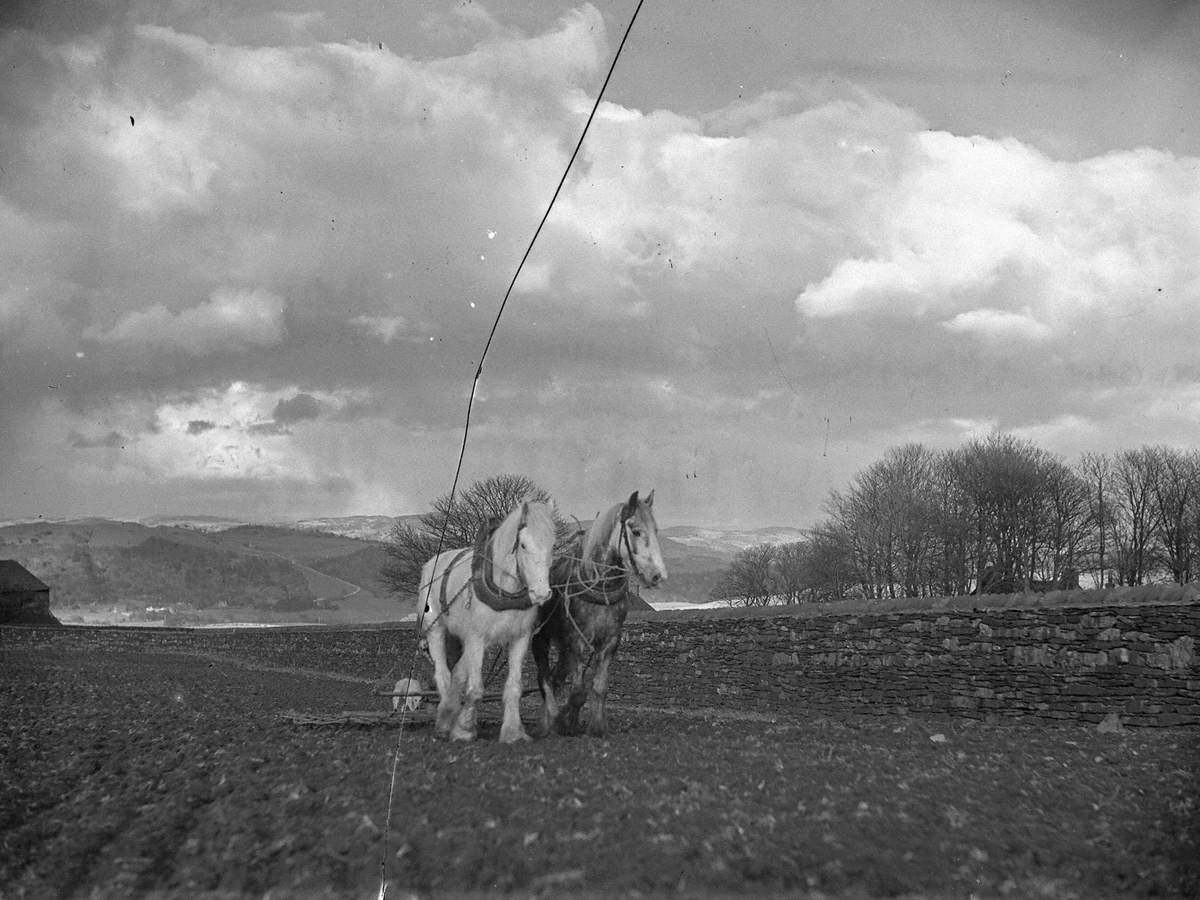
(997, 515)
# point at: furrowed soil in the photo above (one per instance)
(170, 775)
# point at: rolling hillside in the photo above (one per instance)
(207, 570)
(102, 571)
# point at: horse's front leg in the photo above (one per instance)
(596, 718)
(465, 728)
(448, 695)
(541, 657)
(573, 655)
(511, 729)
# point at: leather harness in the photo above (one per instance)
(483, 579)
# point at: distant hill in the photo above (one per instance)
(696, 558)
(363, 528)
(211, 568)
(361, 567)
(195, 523)
(123, 571)
(730, 541)
(110, 572)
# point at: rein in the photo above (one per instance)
(629, 548)
(603, 590)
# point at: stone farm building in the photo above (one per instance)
(24, 598)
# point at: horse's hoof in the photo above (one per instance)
(514, 738)
(461, 734)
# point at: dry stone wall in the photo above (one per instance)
(1063, 663)
(1055, 663)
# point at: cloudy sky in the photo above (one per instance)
(250, 251)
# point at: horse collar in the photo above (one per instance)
(483, 575)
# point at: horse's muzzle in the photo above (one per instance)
(538, 599)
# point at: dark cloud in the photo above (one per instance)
(199, 426)
(82, 442)
(268, 429)
(297, 409)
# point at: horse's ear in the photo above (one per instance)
(524, 511)
(633, 501)
(649, 501)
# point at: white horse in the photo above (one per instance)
(509, 571)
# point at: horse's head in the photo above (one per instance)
(535, 549)
(638, 541)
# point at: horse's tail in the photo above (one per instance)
(428, 603)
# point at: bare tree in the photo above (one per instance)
(454, 522)
(1004, 481)
(1066, 525)
(790, 571)
(1096, 471)
(1010, 516)
(952, 572)
(891, 511)
(748, 580)
(1132, 525)
(1175, 492)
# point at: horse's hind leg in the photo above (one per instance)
(448, 693)
(541, 657)
(568, 717)
(465, 728)
(511, 729)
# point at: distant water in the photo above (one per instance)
(683, 604)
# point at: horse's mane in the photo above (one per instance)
(538, 517)
(595, 542)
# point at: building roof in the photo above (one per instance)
(15, 577)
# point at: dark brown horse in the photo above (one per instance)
(584, 617)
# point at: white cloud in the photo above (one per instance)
(997, 324)
(231, 320)
(163, 162)
(239, 431)
(994, 238)
(805, 256)
(386, 328)
(1067, 429)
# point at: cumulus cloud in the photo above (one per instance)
(998, 324)
(231, 320)
(993, 237)
(813, 266)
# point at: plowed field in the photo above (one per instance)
(173, 775)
